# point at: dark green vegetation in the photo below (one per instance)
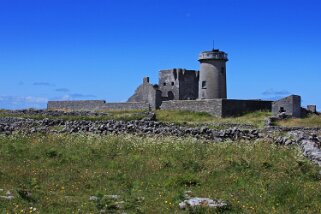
(150, 175)
(313, 121)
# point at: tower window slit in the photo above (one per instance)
(204, 84)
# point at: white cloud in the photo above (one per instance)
(43, 84)
(20, 102)
(75, 96)
(273, 92)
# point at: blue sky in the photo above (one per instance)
(102, 49)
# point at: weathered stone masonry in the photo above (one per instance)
(218, 107)
(95, 105)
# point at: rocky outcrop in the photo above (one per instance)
(203, 202)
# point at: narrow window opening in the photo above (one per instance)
(164, 84)
(170, 95)
(172, 83)
(203, 84)
(223, 70)
(282, 110)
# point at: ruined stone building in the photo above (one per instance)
(182, 89)
(183, 84)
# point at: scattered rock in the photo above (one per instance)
(93, 198)
(188, 194)
(115, 197)
(202, 202)
(282, 115)
(312, 151)
(8, 196)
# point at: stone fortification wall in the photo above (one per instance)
(218, 107)
(80, 105)
(95, 105)
(290, 105)
(126, 106)
(238, 107)
(178, 84)
(213, 107)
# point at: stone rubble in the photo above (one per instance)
(139, 127)
(8, 196)
(202, 202)
(191, 202)
(312, 151)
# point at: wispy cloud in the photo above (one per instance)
(274, 98)
(75, 96)
(42, 84)
(20, 102)
(78, 96)
(62, 90)
(273, 92)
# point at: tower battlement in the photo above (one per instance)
(215, 54)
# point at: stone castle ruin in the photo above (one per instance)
(199, 91)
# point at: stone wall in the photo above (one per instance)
(238, 107)
(312, 109)
(179, 84)
(188, 84)
(169, 84)
(213, 107)
(80, 105)
(146, 93)
(126, 106)
(290, 105)
(218, 107)
(95, 105)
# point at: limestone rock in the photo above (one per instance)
(203, 202)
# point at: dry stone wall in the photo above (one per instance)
(232, 108)
(213, 107)
(96, 105)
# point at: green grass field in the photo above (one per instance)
(150, 175)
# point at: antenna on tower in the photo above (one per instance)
(213, 45)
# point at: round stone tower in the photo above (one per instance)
(212, 81)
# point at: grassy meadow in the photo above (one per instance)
(312, 121)
(58, 174)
